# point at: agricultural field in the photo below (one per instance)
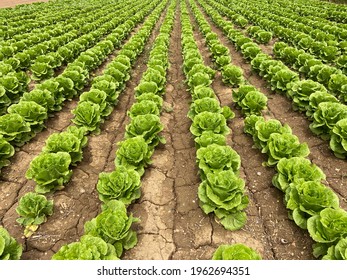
(162, 129)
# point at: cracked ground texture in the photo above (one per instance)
(172, 225)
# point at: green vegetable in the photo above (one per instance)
(88, 248)
(215, 158)
(113, 226)
(134, 153)
(338, 251)
(338, 140)
(33, 210)
(294, 169)
(6, 152)
(50, 171)
(207, 121)
(223, 194)
(306, 199)
(10, 249)
(328, 226)
(88, 115)
(285, 145)
(232, 75)
(235, 252)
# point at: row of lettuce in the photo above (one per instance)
(45, 57)
(311, 204)
(322, 105)
(221, 191)
(26, 118)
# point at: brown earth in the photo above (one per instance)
(172, 225)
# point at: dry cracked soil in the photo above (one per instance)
(172, 225)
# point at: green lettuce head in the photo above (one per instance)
(215, 158)
(290, 170)
(113, 225)
(50, 171)
(88, 248)
(306, 199)
(122, 184)
(235, 252)
(134, 153)
(10, 249)
(33, 210)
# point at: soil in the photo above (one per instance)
(172, 224)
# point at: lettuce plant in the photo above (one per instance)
(87, 114)
(250, 123)
(338, 85)
(4, 100)
(338, 251)
(6, 152)
(199, 79)
(150, 97)
(316, 98)
(110, 88)
(291, 170)
(223, 194)
(65, 142)
(300, 92)
(338, 140)
(325, 118)
(208, 137)
(122, 184)
(146, 87)
(215, 158)
(283, 79)
(263, 37)
(10, 249)
(99, 97)
(264, 129)
(15, 129)
(253, 103)
(113, 225)
(232, 75)
(207, 121)
(33, 210)
(50, 171)
(201, 91)
(88, 248)
(134, 153)
(143, 108)
(305, 199)
(235, 252)
(148, 126)
(43, 97)
(328, 226)
(285, 145)
(33, 113)
(208, 104)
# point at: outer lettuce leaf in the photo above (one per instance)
(6, 152)
(338, 251)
